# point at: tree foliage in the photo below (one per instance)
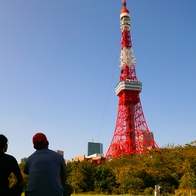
(174, 168)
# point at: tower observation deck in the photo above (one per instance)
(131, 134)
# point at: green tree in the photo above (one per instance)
(82, 176)
(104, 179)
(188, 180)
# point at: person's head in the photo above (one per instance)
(3, 143)
(40, 141)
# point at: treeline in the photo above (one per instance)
(174, 168)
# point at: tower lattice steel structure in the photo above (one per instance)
(131, 133)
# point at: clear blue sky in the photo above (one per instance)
(59, 65)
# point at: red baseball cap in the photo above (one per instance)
(39, 138)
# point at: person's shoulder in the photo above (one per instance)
(52, 152)
(9, 157)
(31, 156)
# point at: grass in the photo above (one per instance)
(103, 195)
(23, 194)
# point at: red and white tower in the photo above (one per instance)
(131, 133)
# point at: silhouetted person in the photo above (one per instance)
(8, 165)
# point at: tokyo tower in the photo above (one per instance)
(131, 134)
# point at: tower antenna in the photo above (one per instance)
(124, 3)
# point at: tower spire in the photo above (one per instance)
(131, 134)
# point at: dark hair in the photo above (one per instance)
(41, 145)
(3, 141)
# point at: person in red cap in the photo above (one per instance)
(46, 169)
